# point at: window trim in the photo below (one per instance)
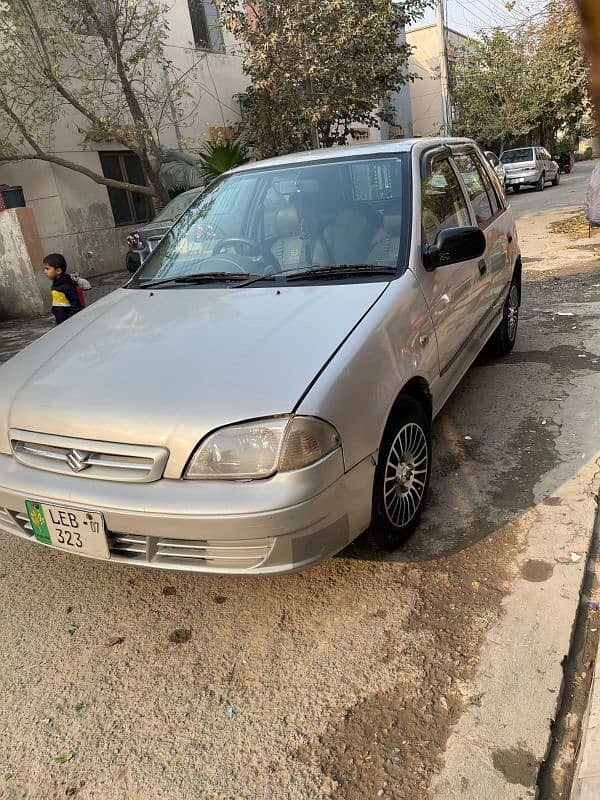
(428, 159)
(128, 193)
(199, 7)
(503, 204)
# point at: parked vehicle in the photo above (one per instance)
(498, 166)
(142, 241)
(565, 163)
(529, 166)
(253, 406)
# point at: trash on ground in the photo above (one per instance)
(64, 759)
(231, 712)
(593, 606)
(565, 313)
(468, 438)
(575, 557)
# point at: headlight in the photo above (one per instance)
(260, 449)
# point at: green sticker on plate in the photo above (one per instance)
(38, 522)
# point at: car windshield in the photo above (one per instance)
(514, 156)
(177, 206)
(274, 222)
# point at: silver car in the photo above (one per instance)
(529, 166)
(498, 166)
(255, 408)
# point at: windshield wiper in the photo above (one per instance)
(331, 270)
(341, 270)
(200, 277)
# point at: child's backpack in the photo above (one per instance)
(81, 286)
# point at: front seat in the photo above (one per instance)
(296, 243)
(349, 236)
(384, 251)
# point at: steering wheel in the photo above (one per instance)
(235, 241)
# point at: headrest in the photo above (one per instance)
(287, 222)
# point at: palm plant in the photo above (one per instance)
(218, 157)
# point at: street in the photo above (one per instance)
(433, 672)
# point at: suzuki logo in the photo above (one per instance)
(78, 460)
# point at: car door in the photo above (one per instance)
(488, 206)
(455, 293)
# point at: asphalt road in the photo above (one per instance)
(432, 672)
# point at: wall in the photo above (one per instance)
(426, 90)
(20, 257)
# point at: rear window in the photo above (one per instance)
(514, 156)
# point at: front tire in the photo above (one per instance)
(402, 475)
(504, 337)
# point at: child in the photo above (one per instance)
(65, 298)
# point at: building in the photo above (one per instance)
(86, 221)
(425, 62)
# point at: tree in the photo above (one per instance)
(524, 83)
(492, 90)
(100, 62)
(317, 66)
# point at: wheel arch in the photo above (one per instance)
(518, 274)
(418, 389)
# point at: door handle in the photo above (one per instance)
(482, 267)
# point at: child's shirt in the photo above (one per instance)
(65, 300)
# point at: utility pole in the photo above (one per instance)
(444, 71)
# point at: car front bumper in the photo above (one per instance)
(275, 526)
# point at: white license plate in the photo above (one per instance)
(69, 528)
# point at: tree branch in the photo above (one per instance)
(74, 167)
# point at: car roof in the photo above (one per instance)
(348, 151)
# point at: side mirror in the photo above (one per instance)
(453, 245)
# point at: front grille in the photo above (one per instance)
(88, 458)
(15, 522)
(190, 554)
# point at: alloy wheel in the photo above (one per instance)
(406, 474)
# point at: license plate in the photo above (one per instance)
(69, 528)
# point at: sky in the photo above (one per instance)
(469, 16)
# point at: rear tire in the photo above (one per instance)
(504, 337)
(516, 189)
(556, 180)
(539, 187)
(402, 475)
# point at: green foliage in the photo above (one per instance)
(317, 66)
(524, 84)
(218, 157)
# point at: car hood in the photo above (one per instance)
(165, 367)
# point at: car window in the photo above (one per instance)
(444, 204)
(518, 155)
(491, 183)
(340, 212)
(478, 194)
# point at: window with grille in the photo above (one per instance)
(127, 207)
(205, 25)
